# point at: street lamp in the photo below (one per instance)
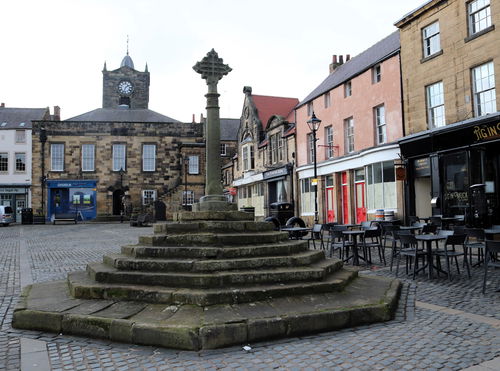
(314, 124)
(122, 206)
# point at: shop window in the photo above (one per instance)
(329, 181)
(483, 78)
(349, 135)
(329, 141)
(57, 157)
(148, 197)
(306, 197)
(281, 191)
(381, 187)
(194, 165)
(435, 105)
(431, 39)
(149, 157)
(455, 183)
(4, 162)
(88, 157)
(379, 113)
(479, 14)
(187, 197)
(20, 162)
(119, 157)
(20, 136)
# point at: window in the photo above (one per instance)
(88, 156)
(194, 165)
(349, 135)
(4, 162)
(21, 162)
(310, 148)
(148, 197)
(381, 187)
(57, 157)
(306, 197)
(273, 148)
(223, 149)
(149, 157)
(380, 125)
(247, 155)
(328, 101)
(280, 147)
(119, 157)
(479, 15)
(329, 142)
(432, 43)
(348, 89)
(483, 85)
(435, 105)
(20, 136)
(376, 74)
(187, 197)
(310, 109)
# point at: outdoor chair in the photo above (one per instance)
(450, 251)
(396, 244)
(459, 229)
(338, 241)
(437, 221)
(366, 225)
(490, 260)
(413, 219)
(316, 235)
(372, 239)
(411, 251)
(388, 233)
(475, 242)
(429, 228)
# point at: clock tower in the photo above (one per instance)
(125, 86)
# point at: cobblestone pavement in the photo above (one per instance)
(463, 331)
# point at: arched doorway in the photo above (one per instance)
(117, 202)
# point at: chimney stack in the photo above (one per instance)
(194, 120)
(337, 61)
(57, 113)
(2, 105)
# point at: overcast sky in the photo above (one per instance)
(53, 51)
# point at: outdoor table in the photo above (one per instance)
(491, 232)
(429, 238)
(354, 238)
(447, 220)
(411, 228)
(295, 232)
(426, 219)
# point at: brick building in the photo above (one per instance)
(450, 63)
(119, 156)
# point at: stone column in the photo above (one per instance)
(212, 70)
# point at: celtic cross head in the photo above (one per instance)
(212, 68)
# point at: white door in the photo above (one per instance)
(20, 204)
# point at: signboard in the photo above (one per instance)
(422, 167)
(486, 132)
(314, 181)
(12, 190)
(282, 171)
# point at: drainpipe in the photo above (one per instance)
(43, 140)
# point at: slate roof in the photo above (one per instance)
(122, 115)
(357, 65)
(229, 129)
(268, 106)
(15, 116)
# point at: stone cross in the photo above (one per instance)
(212, 69)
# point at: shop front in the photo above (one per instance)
(279, 185)
(72, 197)
(454, 171)
(15, 196)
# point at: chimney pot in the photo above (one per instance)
(347, 57)
(57, 113)
(2, 105)
(334, 60)
(341, 59)
(193, 119)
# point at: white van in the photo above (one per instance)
(6, 215)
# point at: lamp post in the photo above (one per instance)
(121, 172)
(314, 124)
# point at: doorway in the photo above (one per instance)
(118, 202)
(345, 198)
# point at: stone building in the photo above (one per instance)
(264, 165)
(359, 104)
(118, 157)
(450, 63)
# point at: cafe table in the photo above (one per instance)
(411, 228)
(354, 238)
(296, 232)
(429, 239)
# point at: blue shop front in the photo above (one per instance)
(72, 197)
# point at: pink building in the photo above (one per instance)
(360, 106)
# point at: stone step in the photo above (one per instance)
(228, 252)
(213, 239)
(189, 216)
(212, 226)
(124, 262)
(314, 272)
(366, 300)
(82, 286)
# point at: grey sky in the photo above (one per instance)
(54, 50)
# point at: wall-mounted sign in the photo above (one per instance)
(422, 167)
(13, 190)
(486, 132)
(282, 171)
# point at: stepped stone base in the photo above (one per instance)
(50, 307)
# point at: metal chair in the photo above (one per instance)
(450, 252)
(492, 249)
(338, 241)
(316, 234)
(429, 228)
(366, 225)
(437, 221)
(475, 242)
(372, 238)
(395, 249)
(410, 250)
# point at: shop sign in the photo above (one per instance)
(282, 171)
(314, 181)
(422, 167)
(12, 190)
(487, 132)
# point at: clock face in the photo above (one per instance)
(125, 87)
